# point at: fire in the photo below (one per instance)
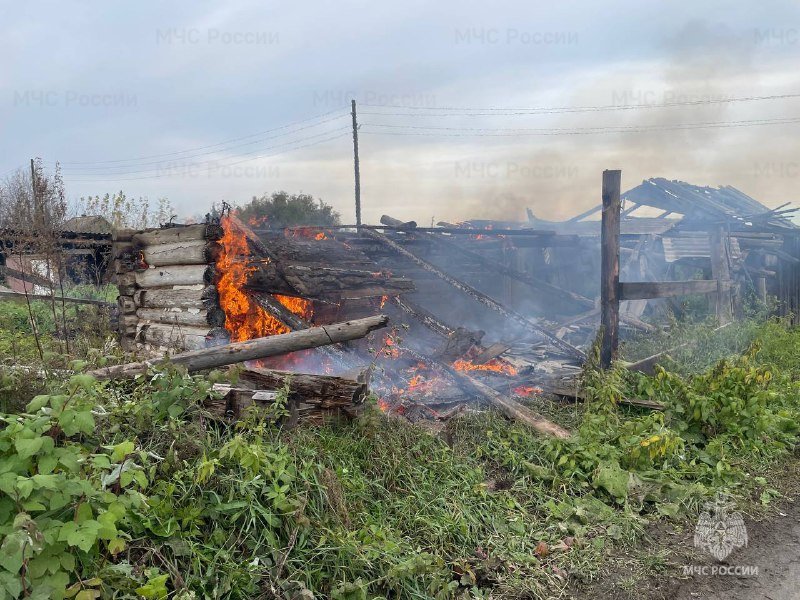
(299, 306)
(493, 365)
(245, 319)
(311, 233)
(255, 221)
(525, 390)
(383, 300)
(390, 348)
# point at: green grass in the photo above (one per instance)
(380, 508)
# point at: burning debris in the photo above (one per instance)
(518, 293)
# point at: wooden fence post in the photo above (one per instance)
(609, 270)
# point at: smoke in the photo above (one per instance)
(559, 176)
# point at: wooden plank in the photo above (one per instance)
(609, 267)
(640, 290)
(720, 271)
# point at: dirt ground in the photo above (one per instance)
(773, 548)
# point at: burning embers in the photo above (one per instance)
(245, 319)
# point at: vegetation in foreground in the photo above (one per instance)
(129, 490)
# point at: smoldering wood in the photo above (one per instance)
(190, 252)
(477, 295)
(206, 298)
(209, 358)
(201, 318)
(478, 389)
(175, 275)
(427, 318)
(180, 233)
(491, 352)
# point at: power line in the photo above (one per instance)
(188, 157)
(167, 165)
(488, 111)
(123, 160)
(222, 166)
(481, 132)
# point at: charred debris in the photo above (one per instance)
(480, 312)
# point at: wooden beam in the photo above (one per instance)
(721, 272)
(609, 261)
(640, 290)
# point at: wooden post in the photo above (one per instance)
(720, 270)
(609, 270)
(355, 163)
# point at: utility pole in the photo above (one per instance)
(355, 163)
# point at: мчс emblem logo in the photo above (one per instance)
(719, 531)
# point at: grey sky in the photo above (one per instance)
(87, 82)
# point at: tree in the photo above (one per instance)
(281, 209)
(126, 212)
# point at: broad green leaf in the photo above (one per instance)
(37, 403)
(121, 451)
(28, 447)
(83, 380)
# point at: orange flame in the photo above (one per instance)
(493, 365)
(245, 319)
(525, 390)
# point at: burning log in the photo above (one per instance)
(191, 252)
(209, 358)
(476, 295)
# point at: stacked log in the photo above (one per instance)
(123, 263)
(167, 299)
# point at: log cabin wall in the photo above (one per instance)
(167, 299)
